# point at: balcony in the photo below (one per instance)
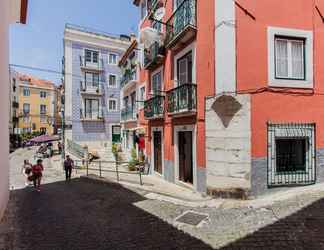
(93, 115)
(91, 66)
(154, 56)
(152, 5)
(181, 26)
(88, 88)
(128, 114)
(154, 107)
(128, 77)
(15, 104)
(182, 100)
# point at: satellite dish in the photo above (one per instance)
(159, 13)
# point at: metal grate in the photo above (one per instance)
(291, 154)
(191, 218)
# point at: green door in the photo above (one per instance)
(116, 134)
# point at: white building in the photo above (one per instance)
(11, 11)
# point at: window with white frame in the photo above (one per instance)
(112, 104)
(26, 108)
(42, 94)
(91, 79)
(42, 109)
(290, 58)
(26, 119)
(112, 59)
(26, 92)
(157, 83)
(141, 97)
(91, 107)
(91, 56)
(43, 119)
(112, 81)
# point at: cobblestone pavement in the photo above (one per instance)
(86, 214)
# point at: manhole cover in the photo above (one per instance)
(191, 218)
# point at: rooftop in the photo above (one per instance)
(33, 81)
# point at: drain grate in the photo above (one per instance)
(191, 218)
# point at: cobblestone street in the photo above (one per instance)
(89, 214)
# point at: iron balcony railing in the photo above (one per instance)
(182, 98)
(154, 55)
(154, 107)
(128, 77)
(98, 66)
(93, 115)
(128, 114)
(15, 104)
(90, 88)
(152, 5)
(183, 17)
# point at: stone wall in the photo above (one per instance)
(228, 143)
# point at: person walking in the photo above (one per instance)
(68, 165)
(37, 171)
(27, 171)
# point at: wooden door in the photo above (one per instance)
(157, 139)
(185, 157)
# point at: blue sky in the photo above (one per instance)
(40, 42)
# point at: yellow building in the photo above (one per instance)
(37, 105)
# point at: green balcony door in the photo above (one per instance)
(115, 134)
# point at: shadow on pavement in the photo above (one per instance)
(301, 230)
(85, 214)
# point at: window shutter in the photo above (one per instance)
(281, 58)
(297, 54)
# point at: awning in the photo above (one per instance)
(45, 138)
(148, 36)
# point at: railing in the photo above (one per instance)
(102, 168)
(127, 77)
(91, 65)
(154, 107)
(76, 149)
(93, 116)
(183, 16)
(88, 88)
(182, 98)
(151, 55)
(15, 104)
(128, 114)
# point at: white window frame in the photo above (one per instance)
(116, 83)
(27, 90)
(95, 50)
(108, 106)
(40, 109)
(191, 47)
(158, 70)
(110, 63)
(308, 58)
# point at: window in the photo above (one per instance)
(26, 130)
(26, 108)
(157, 83)
(112, 82)
(290, 58)
(143, 9)
(34, 126)
(14, 85)
(91, 56)
(26, 92)
(43, 119)
(141, 97)
(42, 109)
(92, 79)
(91, 108)
(157, 26)
(112, 104)
(125, 102)
(113, 59)
(184, 69)
(42, 94)
(291, 154)
(26, 119)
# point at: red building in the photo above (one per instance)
(233, 93)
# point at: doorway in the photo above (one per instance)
(157, 151)
(185, 149)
